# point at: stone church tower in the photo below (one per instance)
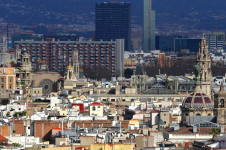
(70, 78)
(204, 64)
(140, 79)
(25, 70)
(72, 72)
(75, 63)
(220, 106)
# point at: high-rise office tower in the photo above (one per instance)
(215, 41)
(148, 26)
(113, 21)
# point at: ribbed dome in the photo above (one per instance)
(197, 100)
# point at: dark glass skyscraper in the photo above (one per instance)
(113, 21)
(148, 26)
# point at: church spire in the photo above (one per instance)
(203, 68)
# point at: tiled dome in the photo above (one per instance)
(197, 100)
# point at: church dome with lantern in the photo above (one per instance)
(197, 104)
(197, 100)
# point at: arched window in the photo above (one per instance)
(222, 103)
(94, 108)
(198, 114)
(182, 88)
(205, 76)
(209, 114)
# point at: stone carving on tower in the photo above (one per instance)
(204, 68)
(220, 106)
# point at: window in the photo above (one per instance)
(94, 108)
(10, 79)
(198, 114)
(10, 86)
(104, 100)
(2, 86)
(222, 103)
(2, 79)
(113, 100)
(123, 100)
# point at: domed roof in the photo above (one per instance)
(197, 100)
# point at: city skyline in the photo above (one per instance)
(122, 75)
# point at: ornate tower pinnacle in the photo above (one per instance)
(203, 68)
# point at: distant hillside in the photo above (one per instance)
(200, 14)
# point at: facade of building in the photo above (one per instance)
(57, 55)
(113, 21)
(148, 26)
(215, 40)
(96, 109)
(186, 44)
(165, 43)
(7, 78)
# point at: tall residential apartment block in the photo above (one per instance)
(148, 26)
(113, 21)
(57, 55)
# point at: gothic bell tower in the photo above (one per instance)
(220, 106)
(70, 78)
(204, 62)
(25, 70)
(75, 63)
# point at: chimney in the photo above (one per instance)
(194, 129)
(222, 129)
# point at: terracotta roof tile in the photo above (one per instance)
(2, 138)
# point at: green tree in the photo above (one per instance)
(215, 132)
(23, 113)
(16, 145)
(5, 101)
